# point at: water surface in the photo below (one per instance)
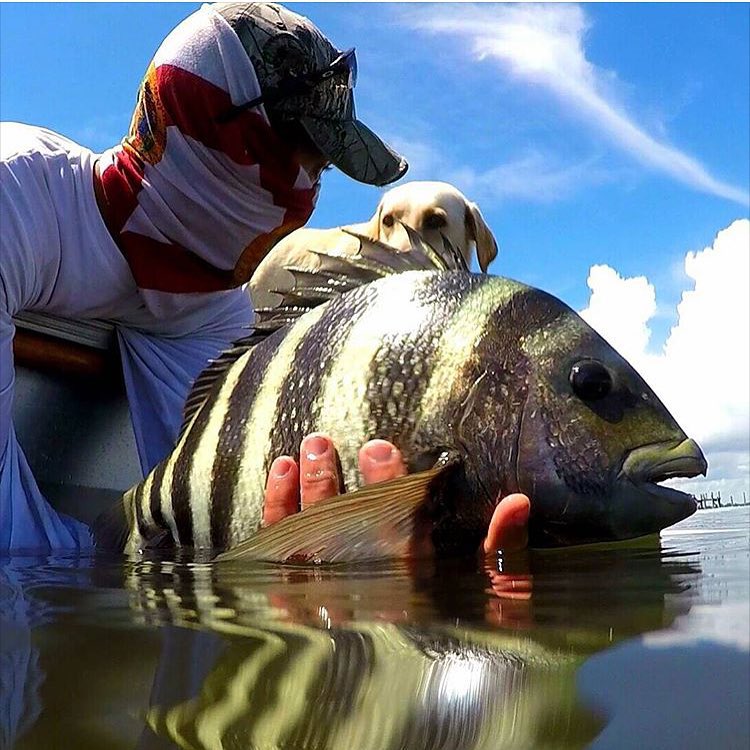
(640, 645)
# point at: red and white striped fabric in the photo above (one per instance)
(197, 203)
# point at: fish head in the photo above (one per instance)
(595, 441)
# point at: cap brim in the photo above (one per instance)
(354, 149)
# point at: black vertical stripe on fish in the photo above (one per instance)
(182, 491)
(156, 495)
(138, 503)
(491, 415)
(396, 383)
(232, 439)
(261, 423)
(315, 356)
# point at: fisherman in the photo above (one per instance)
(242, 108)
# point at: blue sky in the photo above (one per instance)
(559, 189)
(612, 135)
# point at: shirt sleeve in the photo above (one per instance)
(27, 520)
(159, 371)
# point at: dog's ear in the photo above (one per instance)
(372, 229)
(478, 230)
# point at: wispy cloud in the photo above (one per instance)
(426, 160)
(533, 177)
(543, 45)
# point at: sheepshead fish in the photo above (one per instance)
(487, 386)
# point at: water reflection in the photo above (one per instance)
(358, 658)
(198, 655)
(156, 653)
(374, 686)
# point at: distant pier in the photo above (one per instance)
(713, 500)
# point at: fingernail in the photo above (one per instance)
(379, 452)
(281, 467)
(316, 446)
(519, 518)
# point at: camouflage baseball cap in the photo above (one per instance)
(284, 46)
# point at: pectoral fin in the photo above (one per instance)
(385, 520)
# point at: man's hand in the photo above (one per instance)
(291, 488)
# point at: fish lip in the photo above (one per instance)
(635, 506)
(649, 464)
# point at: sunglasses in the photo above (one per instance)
(345, 63)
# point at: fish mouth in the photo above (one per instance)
(636, 506)
(650, 464)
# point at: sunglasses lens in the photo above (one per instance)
(351, 63)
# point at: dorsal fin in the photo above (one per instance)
(214, 371)
(453, 257)
(420, 255)
(338, 273)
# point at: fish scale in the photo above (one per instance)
(311, 369)
(395, 382)
(342, 408)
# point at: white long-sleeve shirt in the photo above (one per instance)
(57, 256)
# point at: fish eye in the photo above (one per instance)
(590, 380)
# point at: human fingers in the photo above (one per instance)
(282, 490)
(319, 475)
(509, 526)
(511, 585)
(380, 461)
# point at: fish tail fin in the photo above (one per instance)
(112, 528)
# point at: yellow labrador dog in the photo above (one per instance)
(432, 208)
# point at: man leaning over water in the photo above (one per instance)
(160, 233)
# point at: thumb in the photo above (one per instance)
(509, 526)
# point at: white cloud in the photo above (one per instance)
(542, 45)
(702, 373)
(622, 308)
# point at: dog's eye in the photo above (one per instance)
(434, 221)
(388, 220)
